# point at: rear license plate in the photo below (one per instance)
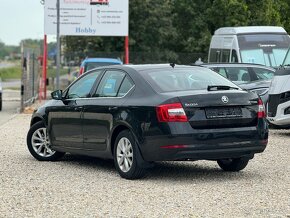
(228, 112)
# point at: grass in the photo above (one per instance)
(15, 72)
(51, 72)
(10, 73)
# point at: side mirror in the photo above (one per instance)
(57, 95)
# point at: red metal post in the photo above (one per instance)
(126, 50)
(44, 67)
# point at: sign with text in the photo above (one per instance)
(88, 17)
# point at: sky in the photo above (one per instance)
(21, 19)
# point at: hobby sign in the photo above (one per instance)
(88, 17)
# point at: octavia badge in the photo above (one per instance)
(225, 99)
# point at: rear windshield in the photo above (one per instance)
(184, 79)
(92, 65)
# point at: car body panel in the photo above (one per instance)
(88, 125)
(279, 99)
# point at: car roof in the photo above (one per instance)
(145, 67)
(106, 60)
(236, 65)
(249, 29)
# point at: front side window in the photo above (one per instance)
(82, 87)
(110, 84)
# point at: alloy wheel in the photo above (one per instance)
(124, 154)
(41, 144)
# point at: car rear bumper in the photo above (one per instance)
(206, 144)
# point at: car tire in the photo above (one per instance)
(127, 157)
(38, 144)
(233, 164)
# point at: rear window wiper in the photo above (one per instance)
(220, 87)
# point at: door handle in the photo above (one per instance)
(78, 108)
(113, 108)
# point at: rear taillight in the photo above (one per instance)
(81, 71)
(171, 113)
(261, 109)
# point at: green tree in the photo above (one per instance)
(226, 13)
(264, 13)
(190, 20)
(151, 25)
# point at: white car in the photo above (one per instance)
(279, 98)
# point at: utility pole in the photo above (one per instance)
(58, 43)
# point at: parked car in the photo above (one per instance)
(1, 94)
(253, 77)
(140, 114)
(279, 96)
(91, 63)
(278, 107)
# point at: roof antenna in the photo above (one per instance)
(172, 65)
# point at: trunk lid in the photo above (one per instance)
(220, 109)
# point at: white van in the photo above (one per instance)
(266, 45)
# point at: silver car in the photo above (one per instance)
(253, 77)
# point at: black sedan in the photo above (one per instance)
(140, 114)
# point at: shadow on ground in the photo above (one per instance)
(200, 171)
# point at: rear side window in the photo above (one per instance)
(185, 79)
(240, 74)
(110, 84)
(263, 74)
(127, 84)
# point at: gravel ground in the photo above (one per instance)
(89, 187)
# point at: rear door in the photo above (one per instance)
(99, 113)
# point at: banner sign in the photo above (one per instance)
(88, 17)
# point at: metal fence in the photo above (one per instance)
(70, 63)
(30, 78)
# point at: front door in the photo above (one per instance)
(65, 121)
